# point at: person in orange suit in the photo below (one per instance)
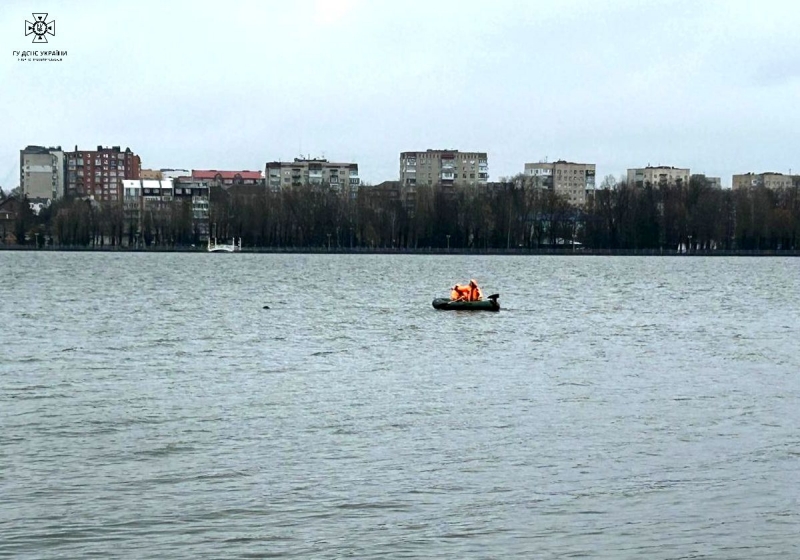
(470, 292)
(475, 293)
(460, 293)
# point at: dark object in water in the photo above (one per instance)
(488, 304)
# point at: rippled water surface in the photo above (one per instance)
(616, 408)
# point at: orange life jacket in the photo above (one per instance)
(454, 294)
(463, 292)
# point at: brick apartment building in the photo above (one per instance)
(98, 174)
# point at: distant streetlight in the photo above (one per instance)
(448, 241)
(37, 239)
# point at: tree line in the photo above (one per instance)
(510, 214)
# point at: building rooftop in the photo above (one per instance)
(102, 149)
(442, 151)
(560, 161)
(212, 174)
(660, 167)
(304, 161)
(40, 149)
(147, 183)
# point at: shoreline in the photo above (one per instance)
(426, 251)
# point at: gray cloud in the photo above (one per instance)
(709, 85)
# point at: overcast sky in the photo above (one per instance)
(710, 85)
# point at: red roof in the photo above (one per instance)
(211, 174)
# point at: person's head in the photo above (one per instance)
(473, 283)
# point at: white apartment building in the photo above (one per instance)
(41, 172)
(770, 180)
(571, 180)
(339, 176)
(148, 190)
(658, 175)
(444, 167)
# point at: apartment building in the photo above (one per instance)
(770, 180)
(198, 192)
(226, 179)
(443, 167)
(569, 179)
(658, 175)
(175, 173)
(141, 195)
(138, 192)
(301, 171)
(98, 174)
(151, 175)
(381, 194)
(41, 172)
(165, 173)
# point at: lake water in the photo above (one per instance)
(617, 407)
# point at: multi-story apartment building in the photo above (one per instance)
(151, 174)
(339, 176)
(658, 175)
(187, 186)
(175, 173)
(41, 172)
(98, 174)
(225, 179)
(138, 192)
(770, 180)
(198, 192)
(380, 194)
(569, 179)
(443, 167)
(142, 195)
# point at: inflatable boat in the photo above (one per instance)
(488, 304)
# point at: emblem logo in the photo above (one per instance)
(40, 28)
